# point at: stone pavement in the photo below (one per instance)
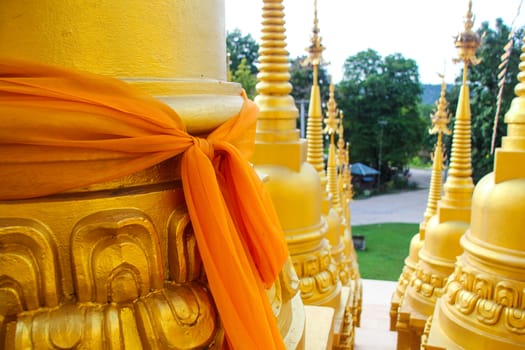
(374, 333)
(404, 207)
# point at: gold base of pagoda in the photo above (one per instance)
(114, 265)
(445, 323)
(399, 293)
(410, 325)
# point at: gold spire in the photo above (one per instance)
(277, 106)
(459, 184)
(344, 180)
(482, 305)
(331, 121)
(441, 243)
(467, 42)
(314, 129)
(280, 154)
(515, 118)
(316, 48)
(341, 140)
(440, 119)
(277, 121)
(515, 139)
(331, 128)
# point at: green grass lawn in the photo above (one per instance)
(387, 247)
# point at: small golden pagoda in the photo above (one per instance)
(441, 244)
(291, 181)
(339, 190)
(346, 195)
(483, 306)
(440, 119)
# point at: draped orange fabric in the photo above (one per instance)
(63, 129)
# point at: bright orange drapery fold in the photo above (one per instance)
(63, 129)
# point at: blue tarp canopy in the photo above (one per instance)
(363, 170)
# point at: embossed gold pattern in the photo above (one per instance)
(122, 272)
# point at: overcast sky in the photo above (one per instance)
(422, 30)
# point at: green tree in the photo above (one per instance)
(241, 47)
(380, 99)
(484, 91)
(244, 77)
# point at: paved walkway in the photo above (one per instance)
(404, 207)
(374, 333)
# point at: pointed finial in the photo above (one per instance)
(468, 41)
(316, 48)
(441, 117)
(331, 121)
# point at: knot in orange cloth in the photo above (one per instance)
(54, 121)
(205, 146)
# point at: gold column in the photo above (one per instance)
(483, 305)
(440, 119)
(116, 265)
(441, 245)
(141, 42)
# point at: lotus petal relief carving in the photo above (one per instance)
(28, 271)
(116, 256)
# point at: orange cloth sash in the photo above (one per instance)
(63, 129)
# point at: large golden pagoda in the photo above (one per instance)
(337, 229)
(116, 264)
(296, 189)
(482, 306)
(441, 246)
(440, 119)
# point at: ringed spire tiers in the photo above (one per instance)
(314, 128)
(441, 246)
(332, 125)
(440, 121)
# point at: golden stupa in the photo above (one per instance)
(437, 256)
(440, 119)
(297, 191)
(482, 306)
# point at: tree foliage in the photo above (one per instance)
(380, 97)
(243, 52)
(484, 91)
(244, 77)
(241, 47)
